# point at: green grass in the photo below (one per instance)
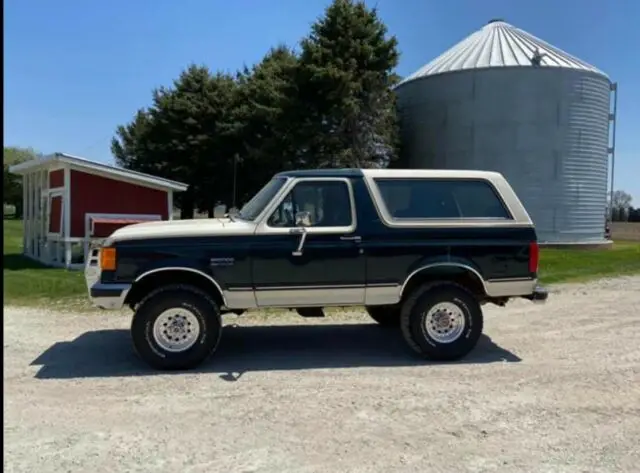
(29, 283)
(558, 265)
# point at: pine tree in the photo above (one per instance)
(188, 134)
(269, 111)
(330, 106)
(345, 80)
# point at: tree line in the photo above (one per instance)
(327, 103)
(629, 214)
(622, 210)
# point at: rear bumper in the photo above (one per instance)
(539, 295)
(109, 296)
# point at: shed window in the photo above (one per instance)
(441, 199)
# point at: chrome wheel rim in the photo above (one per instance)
(176, 330)
(444, 322)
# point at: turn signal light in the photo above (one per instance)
(108, 259)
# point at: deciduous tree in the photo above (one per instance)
(621, 200)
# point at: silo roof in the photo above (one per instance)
(499, 44)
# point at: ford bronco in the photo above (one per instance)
(421, 250)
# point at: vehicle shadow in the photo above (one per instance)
(108, 353)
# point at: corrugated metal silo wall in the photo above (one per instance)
(545, 129)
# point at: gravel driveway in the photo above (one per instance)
(552, 388)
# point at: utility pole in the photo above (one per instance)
(235, 177)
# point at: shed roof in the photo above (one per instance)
(499, 44)
(83, 164)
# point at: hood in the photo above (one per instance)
(183, 228)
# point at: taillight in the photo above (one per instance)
(534, 257)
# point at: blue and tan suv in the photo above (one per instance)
(421, 250)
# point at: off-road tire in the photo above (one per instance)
(196, 301)
(414, 311)
(385, 315)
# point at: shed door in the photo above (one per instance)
(56, 216)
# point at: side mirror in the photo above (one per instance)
(303, 219)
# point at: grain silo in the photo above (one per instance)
(504, 100)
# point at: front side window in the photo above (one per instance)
(258, 202)
(441, 199)
(327, 202)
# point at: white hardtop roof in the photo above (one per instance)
(431, 173)
(87, 165)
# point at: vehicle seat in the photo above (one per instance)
(336, 213)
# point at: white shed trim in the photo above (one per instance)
(66, 161)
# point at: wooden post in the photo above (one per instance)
(38, 215)
(32, 215)
(47, 219)
(170, 204)
(66, 201)
(36, 207)
(27, 213)
(24, 213)
(44, 194)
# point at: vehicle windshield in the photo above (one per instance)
(257, 204)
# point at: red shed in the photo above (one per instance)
(69, 201)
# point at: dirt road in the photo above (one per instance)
(555, 388)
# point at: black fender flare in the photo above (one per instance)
(444, 265)
(181, 265)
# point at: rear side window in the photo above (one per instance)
(441, 199)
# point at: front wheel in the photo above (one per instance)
(176, 328)
(441, 321)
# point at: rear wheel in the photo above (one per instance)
(441, 321)
(385, 315)
(176, 328)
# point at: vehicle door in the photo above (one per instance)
(307, 251)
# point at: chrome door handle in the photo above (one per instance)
(303, 237)
(357, 239)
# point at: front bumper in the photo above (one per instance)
(539, 295)
(106, 296)
(109, 296)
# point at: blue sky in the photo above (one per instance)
(75, 69)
